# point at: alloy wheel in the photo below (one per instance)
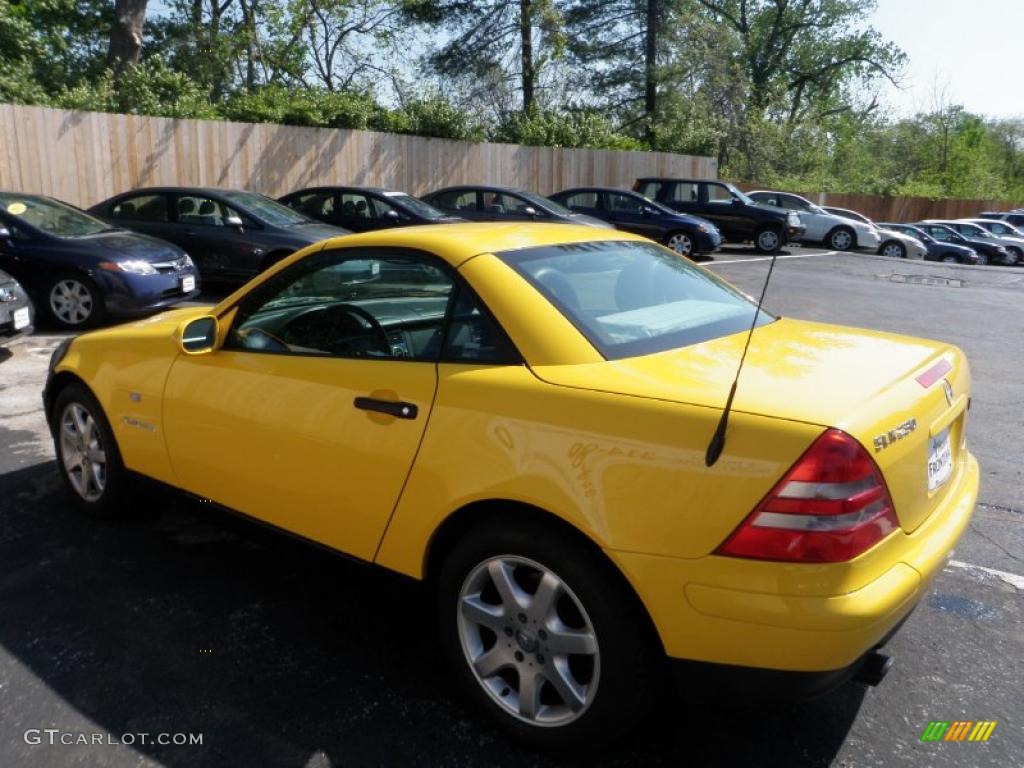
(71, 301)
(841, 240)
(681, 244)
(768, 241)
(893, 250)
(82, 452)
(528, 640)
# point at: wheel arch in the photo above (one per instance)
(57, 384)
(486, 511)
(842, 228)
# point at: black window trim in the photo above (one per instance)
(459, 284)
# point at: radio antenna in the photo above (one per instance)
(717, 444)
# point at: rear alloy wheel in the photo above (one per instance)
(75, 302)
(542, 636)
(767, 240)
(841, 239)
(894, 250)
(982, 259)
(87, 452)
(681, 243)
(1016, 256)
(950, 259)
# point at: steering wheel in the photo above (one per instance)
(339, 328)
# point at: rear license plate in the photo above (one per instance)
(940, 460)
(188, 284)
(21, 318)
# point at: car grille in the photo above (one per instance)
(176, 265)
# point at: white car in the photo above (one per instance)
(835, 232)
(894, 243)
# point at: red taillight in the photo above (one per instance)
(831, 506)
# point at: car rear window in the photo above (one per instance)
(633, 298)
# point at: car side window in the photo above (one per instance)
(141, 208)
(474, 336)
(580, 200)
(719, 194)
(624, 203)
(456, 200)
(355, 206)
(683, 192)
(938, 234)
(379, 208)
(196, 210)
(353, 304)
(792, 203)
(649, 189)
(315, 204)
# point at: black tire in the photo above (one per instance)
(949, 258)
(624, 665)
(111, 499)
(682, 243)
(1016, 256)
(768, 239)
(841, 239)
(893, 249)
(74, 301)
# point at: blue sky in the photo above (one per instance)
(973, 48)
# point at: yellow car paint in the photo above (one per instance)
(614, 449)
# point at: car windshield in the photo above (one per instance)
(415, 205)
(544, 202)
(266, 210)
(633, 298)
(973, 230)
(51, 216)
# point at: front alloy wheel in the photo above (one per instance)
(681, 243)
(74, 303)
(894, 250)
(528, 641)
(841, 240)
(82, 453)
(768, 241)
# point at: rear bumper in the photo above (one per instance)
(798, 617)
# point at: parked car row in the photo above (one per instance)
(147, 249)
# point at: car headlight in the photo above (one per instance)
(188, 263)
(7, 293)
(132, 266)
(703, 228)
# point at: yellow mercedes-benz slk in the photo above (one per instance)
(520, 415)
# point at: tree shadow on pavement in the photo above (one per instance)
(182, 618)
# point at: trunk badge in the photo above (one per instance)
(949, 390)
(885, 440)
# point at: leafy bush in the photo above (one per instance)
(547, 128)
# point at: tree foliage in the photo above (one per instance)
(782, 92)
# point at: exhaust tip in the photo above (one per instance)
(874, 669)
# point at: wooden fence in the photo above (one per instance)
(85, 157)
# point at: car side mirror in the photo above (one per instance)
(737, 201)
(392, 215)
(234, 221)
(530, 210)
(5, 234)
(646, 210)
(199, 336)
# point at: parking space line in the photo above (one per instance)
(1015, 581)
(716, 262)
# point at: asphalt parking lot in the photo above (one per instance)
(185, 620)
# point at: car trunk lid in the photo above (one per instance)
(871, 385)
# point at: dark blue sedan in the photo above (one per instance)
(944, 249)
(632, 212)
(78, 269)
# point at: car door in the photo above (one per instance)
(627, 213)
(682, 196)
(201, 226)
(816, 223)
(586, 201)
(718, 205)
(310, 415)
